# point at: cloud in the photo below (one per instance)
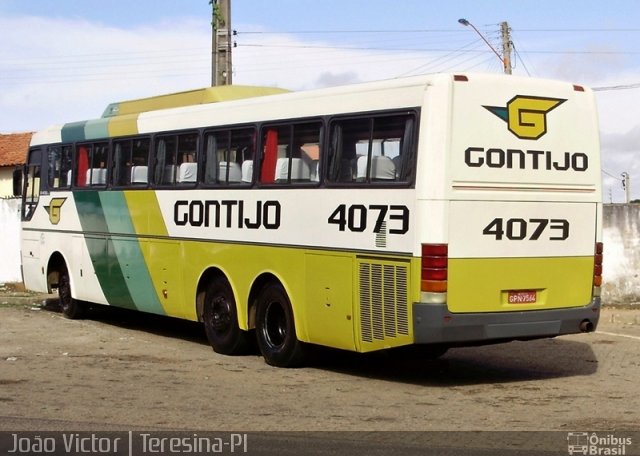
(621, 154)
(59, 70)
(328, 79)
(56, 70)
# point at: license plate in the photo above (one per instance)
(522, 296)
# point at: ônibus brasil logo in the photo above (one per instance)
(526, 116)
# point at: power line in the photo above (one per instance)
(331, 32)
(617, 87)
(610, 175)
(532, 30)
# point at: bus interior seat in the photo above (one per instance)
(96, 176)
(139, 174)
(235, 172)
(382, 168)
(188, 172)
(299, 170)
(247, 171)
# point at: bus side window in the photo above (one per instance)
(91, 164)
(31, 189)
(120, 167)
(187, 159)
(291, 153)
(269, 157)
(97, 172)
(82, 165)
(229, 157)
(165, 152)
(129, 162)
(66, 165)
(349, 141)
(53, 155)
(377, 149)
(171, 152)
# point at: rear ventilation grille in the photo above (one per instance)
(384, 306)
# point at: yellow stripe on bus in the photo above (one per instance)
(147, 220)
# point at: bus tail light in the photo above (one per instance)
(434, 268)
(597, 268)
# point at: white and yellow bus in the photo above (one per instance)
(439, 211)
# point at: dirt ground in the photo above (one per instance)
(123, 370)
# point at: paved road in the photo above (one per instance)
(122, 371)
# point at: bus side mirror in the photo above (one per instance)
(17, 182)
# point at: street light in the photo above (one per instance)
(467, 23)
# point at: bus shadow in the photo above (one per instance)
(500, 363)
(159, 325)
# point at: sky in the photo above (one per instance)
(66, 60)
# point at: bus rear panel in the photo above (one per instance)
(518, 254)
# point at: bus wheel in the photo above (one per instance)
(275, 328)
(71, 308)
(221, 319)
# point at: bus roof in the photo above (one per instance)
(188, 98)
(238, 104)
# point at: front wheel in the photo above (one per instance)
(221, 319)
(71, 308)
(275, 328)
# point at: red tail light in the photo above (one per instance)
(597, 269)
(434, 268)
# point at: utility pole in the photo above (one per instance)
(221, 43)
(626, 185)
(505, 58)
(507, 46)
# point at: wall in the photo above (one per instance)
(621, 265)
(10, 240)
(6, 181)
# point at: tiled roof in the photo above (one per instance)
(13, 148)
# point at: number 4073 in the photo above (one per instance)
(518, 229)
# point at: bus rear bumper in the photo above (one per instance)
(433, 323)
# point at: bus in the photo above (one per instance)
(433, 211)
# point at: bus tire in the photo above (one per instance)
(71, 308)
(275, 328)
(220, 317)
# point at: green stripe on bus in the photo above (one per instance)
(116, 213)
(102, 250)
(96, 129)
(129, 255)
(73, 131)
(90, 212)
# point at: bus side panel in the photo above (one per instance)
(30, 251)
(329, 300)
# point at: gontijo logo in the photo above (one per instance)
(526, 116)
(53, 209)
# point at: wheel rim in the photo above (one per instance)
(220, 318)
(275, 325)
